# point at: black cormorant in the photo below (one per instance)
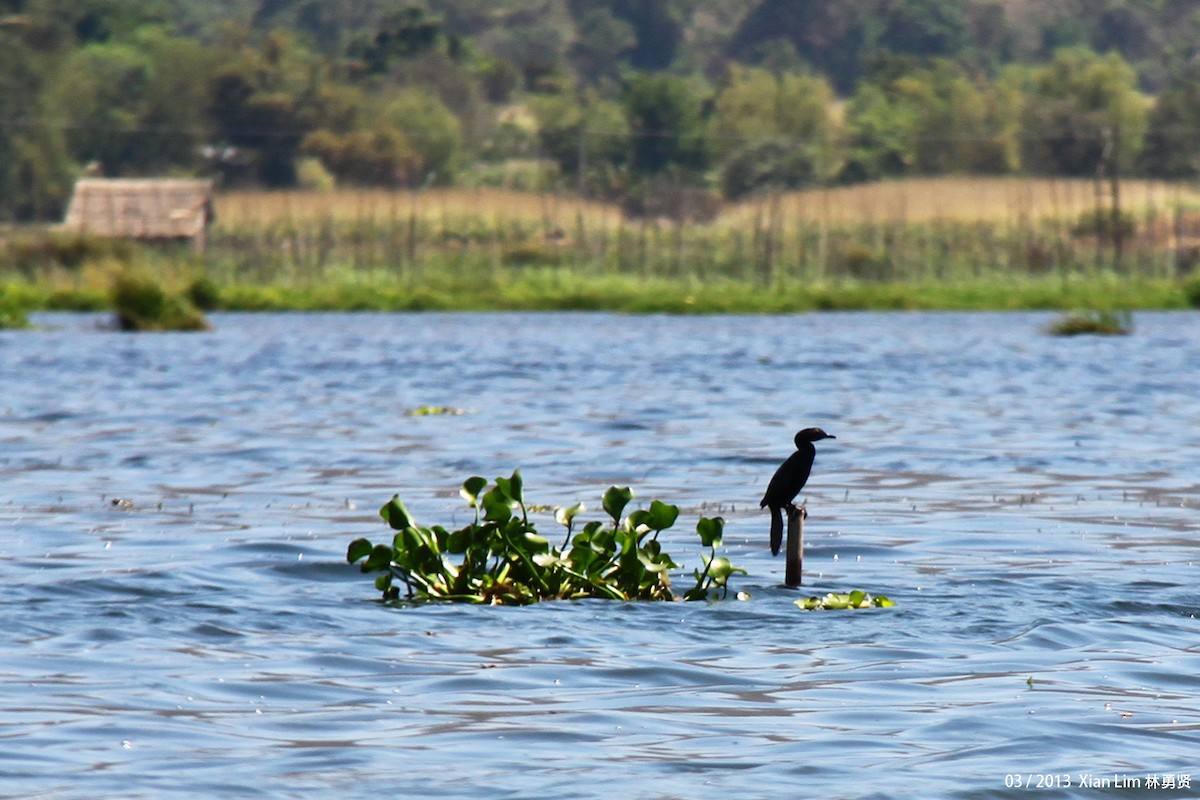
(789, 479)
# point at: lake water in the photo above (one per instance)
(178, 618)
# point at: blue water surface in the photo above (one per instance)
(177, 618)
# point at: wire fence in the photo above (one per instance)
(902, 231)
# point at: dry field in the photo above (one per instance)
(491, 206)
(997, 200)
(970, 199)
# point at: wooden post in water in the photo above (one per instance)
(794, 552)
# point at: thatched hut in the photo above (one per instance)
(154, 210)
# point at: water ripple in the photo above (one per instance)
(177, 508)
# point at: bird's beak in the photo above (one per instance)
(830, 436)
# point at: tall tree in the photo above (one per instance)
(1172, 147)
(658, 32)
(402, 34)
(35, 169)
(930, 118)
(135, 107)
(1078, 106)
(591, 134)
(925, 27)
(831, 37)
(433, 132)
(772, 131)
(758, 105)
(601, 46)
(666, 124)
(262, 103)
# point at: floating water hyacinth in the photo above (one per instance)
(143, 305)
(505, 561)
(1101, 323)
(834, 601)
(435, 411)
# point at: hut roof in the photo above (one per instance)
(140, 208)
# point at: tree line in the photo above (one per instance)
(615, 98)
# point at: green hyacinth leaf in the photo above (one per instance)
(379, 558)
(359, 548)
(711, 530)
(497, 505)
(615, 500)
(662, 515)
(564, 515)
(471, 488)
(395, 514)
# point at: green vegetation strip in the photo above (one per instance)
(12, 313)
(576, 292)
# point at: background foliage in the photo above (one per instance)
(611, 98)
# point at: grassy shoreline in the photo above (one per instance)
(561, 290)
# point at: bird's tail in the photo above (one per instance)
(776, 529)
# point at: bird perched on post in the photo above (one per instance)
(789, 479)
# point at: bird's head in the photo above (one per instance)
(812, 435)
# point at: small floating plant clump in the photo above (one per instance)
(501, 559)
(435, 411)
(1103, 323)
(834, 601)
(142, 305)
